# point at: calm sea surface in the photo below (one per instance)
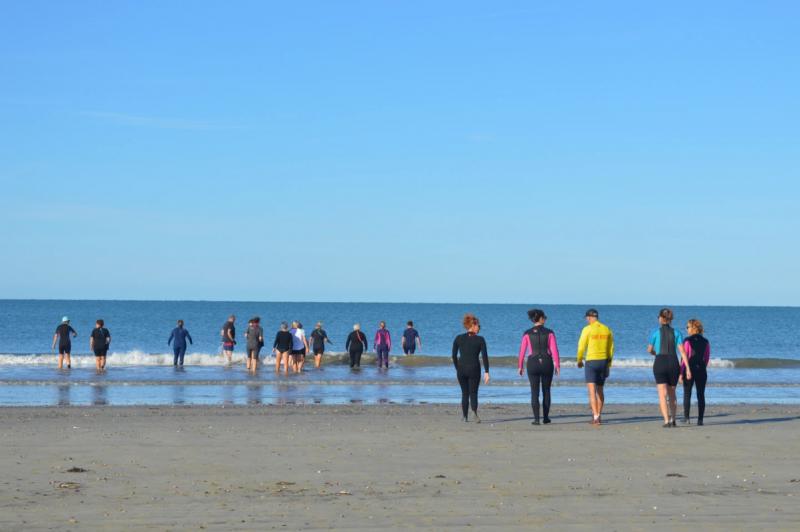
(755, 354)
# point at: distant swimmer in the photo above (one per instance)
(698, 352)
(472, 348)
(178, 338)
(318, 339)
(597, 345)
(299, 346)
(355, 345)
(665, 343)
(539, 343)
(383, 345)
(228, 334)
(411, 339)
(99, 343)
(64, 335)
(282, 347)
(255, 341)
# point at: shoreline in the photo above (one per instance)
(394, 467)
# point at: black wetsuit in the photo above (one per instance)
(697, 364)
(666, 367)
(356, 344)
(540, 369)
(283, 342)
(64, 339)
(468, 367)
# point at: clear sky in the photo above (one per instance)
(553, 152)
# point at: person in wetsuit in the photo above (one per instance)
(178, 338)
(64, 335)
(468, 368)
(282, 347)
(383, 345)
(356, 344)
(99, 342)
(318, 339)
(411, 339)
(665, 343)
(698, 353)
(228, 334)
(540, 343)
(255, 341)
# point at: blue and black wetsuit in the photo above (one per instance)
(666, 367)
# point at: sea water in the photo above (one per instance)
(755, 358)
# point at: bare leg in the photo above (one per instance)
(301, 363)
(286, 356)
(277, 361)
(317, 361)
(591, 387)
(254, 364)
(601, 399)
(662, 401)
(60, 361)
(673, 402)
(97, 365)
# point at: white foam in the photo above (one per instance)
(131, 358)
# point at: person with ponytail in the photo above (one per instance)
(539, 343)
(472, 348)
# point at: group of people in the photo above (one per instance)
(538, 354)
(99, 343)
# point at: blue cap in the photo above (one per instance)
(65, 319)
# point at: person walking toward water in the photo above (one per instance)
(468, 367)
(282, 348)
(540, 343)
(318, 339)
(99, 342)
(411, 339)
(228, 334)
(383, 345)
(665, 343)
(255, 341)
(698, 352)
(355, 345)
(178, 338)
(299, 346)
(597, 345)
(64, 335)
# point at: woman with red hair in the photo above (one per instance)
(472, 348)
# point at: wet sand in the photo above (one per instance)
(371, 467)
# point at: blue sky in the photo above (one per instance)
(581, 152)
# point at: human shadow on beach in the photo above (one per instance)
(759, 421)
(529, 418)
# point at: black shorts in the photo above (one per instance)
(666, 370)
(319, 351)
(65, 349)
(594, 372)
(409, 350)
(101, 352)
(252, 352)
(298, 352)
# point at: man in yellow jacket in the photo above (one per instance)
(597, 346)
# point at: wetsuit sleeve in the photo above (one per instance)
(653, 341)
(707, 355)
(171, 336)
(583, 343)
(71, 330)
(687, 348)
(551, 343)
(485, 355)
(366, 344)
(377, 338)
(455, 352)
(524, 345)
(610, 347)
(275, 343)
(389, 337)
(678, 337)
(189, 336)
(348, 341)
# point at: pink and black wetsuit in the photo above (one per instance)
(383, 344)
(698, 353)
(540, 342)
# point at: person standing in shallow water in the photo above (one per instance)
(543, 361)
(383, 345)
(355, 345)
(228, 334)
(178, 338)
(255, 341)
(64, 335)
(99, 342)
(318, 339)
(472, 348)
(411, 339)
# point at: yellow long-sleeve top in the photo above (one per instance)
(596, 343)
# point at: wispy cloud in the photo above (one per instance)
(159, 122)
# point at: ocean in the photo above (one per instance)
(755, 355)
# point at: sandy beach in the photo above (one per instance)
(371, 467)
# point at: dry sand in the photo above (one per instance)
(374, 467)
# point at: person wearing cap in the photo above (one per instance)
(596, 345)
(64, 334)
